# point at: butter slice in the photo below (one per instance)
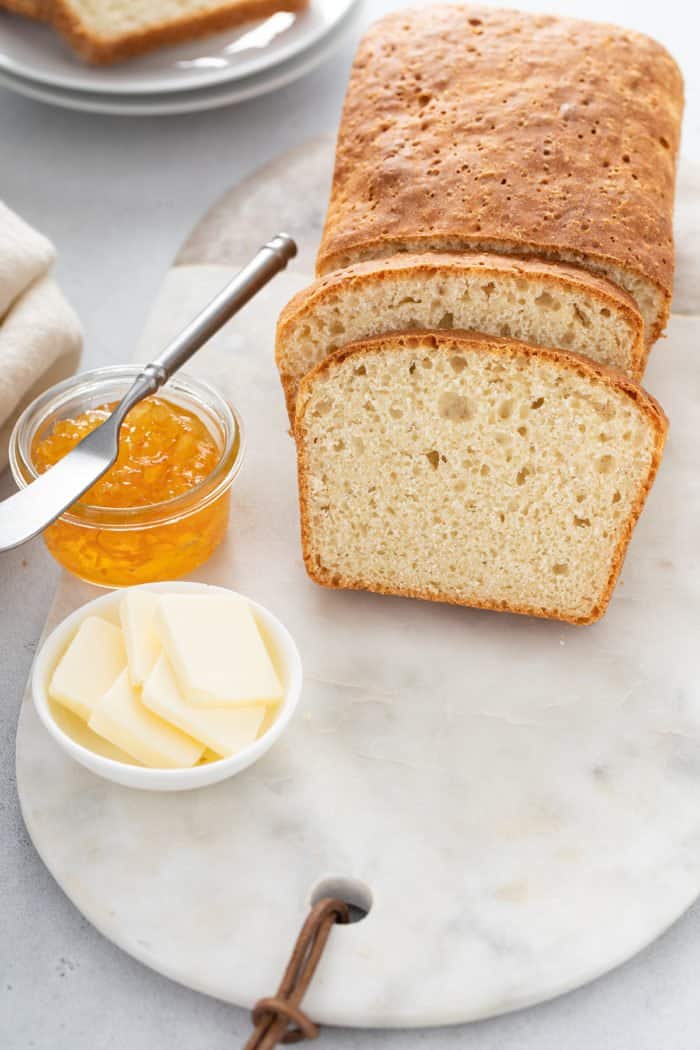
(89, 667)
(137, 610)
(216, 651)
(121, 718)
(225, 731)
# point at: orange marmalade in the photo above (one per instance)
(165, 453)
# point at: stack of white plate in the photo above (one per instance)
(214, 71)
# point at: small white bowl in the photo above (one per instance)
(285, 655)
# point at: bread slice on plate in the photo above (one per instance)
(473, 470)
(525, 299)
(104, 31)
(475, 128)
(37, 9)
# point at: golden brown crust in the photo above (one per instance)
(37, 9)
(99, 51)
(466, 125)
(449, 342)
(358, 275)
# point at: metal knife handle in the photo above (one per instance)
(271, 258)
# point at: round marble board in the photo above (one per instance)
(517, 799)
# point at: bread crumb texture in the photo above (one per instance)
(480, 472)
(476, 128)
(534, 302)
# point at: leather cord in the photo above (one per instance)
(279, 1018)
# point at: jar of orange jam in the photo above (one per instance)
(163, 508)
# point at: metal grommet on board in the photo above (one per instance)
(279, 1018)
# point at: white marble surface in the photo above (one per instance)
(118, 197)
(537, 782)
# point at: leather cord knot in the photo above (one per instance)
(266, 1010)
(279, 1018)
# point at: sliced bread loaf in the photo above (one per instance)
(535, 302)
(473, 470)
(474, 128)
(104, 31)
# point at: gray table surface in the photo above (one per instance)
(118, 196)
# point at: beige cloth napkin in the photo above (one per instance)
(40, 335)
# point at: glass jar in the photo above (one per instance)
(122, 546)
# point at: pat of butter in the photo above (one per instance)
(89, 666)
(121, 718)
(225, 730)
(216, 651)
(136, 611)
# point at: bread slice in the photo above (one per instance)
(37, 9)
(473, 470)
(104, 31)
(475, 128)
(535, 302)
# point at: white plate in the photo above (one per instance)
(186, 101)
(34, 51)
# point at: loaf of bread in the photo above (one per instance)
(483, 129)
(547, 304)
(104, 31)
(473, 470)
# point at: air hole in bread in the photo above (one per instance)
(458, 364)
(433, 457)
(455, 406)
(560, 569)
(547, 301)
(537, 403)
(322, 407)
(605, 464)
(581, 316)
